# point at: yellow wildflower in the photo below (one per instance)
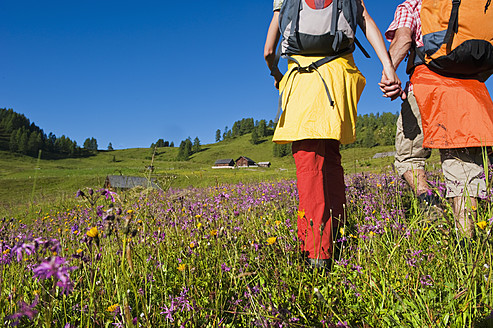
(181, 267)
(139, 222)
(198, 216)
(341, 231)
(474, 208)
(192, 245)
(6, 251)
(214, 232)
(278, 222)
(199, 225)
(301, 214)
(93, 233)
(130, 211)
(482, 225)
(79, 251)
(35, 292)
(76, 232)
(371, 234)
(271, 240)
(112, 308)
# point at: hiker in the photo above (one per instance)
(319, 94)
(410, 154)
(455, 106)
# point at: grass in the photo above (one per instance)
(58, 179)
(227, 256)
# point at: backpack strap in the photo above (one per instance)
(335, 17)
(453, 23)
(360, 46)
(294, 14)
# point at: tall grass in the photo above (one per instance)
(227, 256)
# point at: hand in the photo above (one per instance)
(390, 85)
(276, 73)
(391, 91)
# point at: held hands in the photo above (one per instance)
(390, 85)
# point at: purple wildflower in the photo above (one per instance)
(27, 248)
(57, 269)
(24, 310)
(426, 280)
(225, 268)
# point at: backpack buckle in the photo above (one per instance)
(305, 69)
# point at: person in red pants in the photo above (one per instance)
(319, 114)
(321, 188)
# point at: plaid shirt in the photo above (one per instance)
(407, 15)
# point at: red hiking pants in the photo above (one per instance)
(321, 192)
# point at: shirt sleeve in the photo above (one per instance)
(403, 17)
(277, 4)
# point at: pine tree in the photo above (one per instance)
(13, 144)
(218, 135)
(255, 139)
(110, 147)
(22, 145)
(160, 143)
(262, 129)
(196, 145)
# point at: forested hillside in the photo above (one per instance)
(19, 135)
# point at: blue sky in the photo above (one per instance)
(131, 72)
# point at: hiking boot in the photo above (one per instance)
(430, 205)
(428, 200)
(319, 264)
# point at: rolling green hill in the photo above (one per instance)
(24, 180)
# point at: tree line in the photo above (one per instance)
(258, 129)
(371, 130)
(18, 134)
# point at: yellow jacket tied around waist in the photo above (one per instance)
(307, 111)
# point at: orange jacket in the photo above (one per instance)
(456, 113)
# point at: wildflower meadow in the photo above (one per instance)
(227, 256)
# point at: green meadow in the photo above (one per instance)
(26, 181)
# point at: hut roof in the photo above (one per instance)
(127, 182)
(225, 161)
(249, 160)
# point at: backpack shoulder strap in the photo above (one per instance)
(453, 23)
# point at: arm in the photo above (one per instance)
(399, 47)
(375, 38)
(271, 41)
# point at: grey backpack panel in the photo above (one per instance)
(323, 32)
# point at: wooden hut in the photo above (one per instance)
(224, 164)
(263, 164)
(244, 161)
